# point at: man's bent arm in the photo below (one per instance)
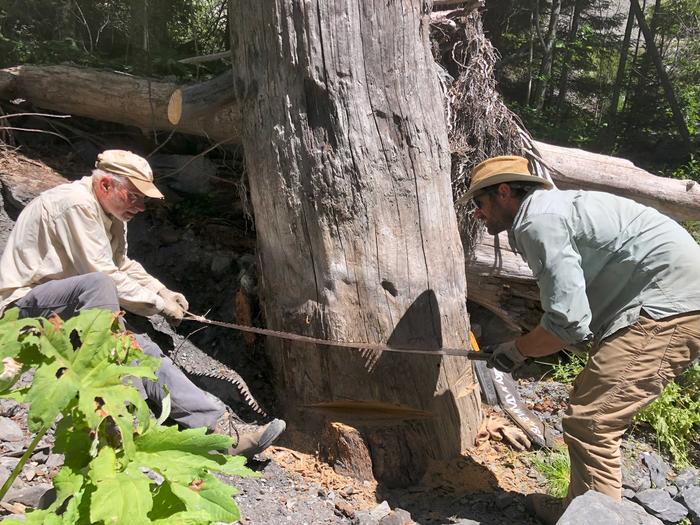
(539, 343)
(81, 234)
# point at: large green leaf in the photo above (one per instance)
(211, 495)
(121, 496)
(82, 356)
(165, 503)
(17, 335)
(192, 440)
(73, 440)
(185, 518)
(67, 484)
(55, 386)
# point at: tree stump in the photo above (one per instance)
(346, 147)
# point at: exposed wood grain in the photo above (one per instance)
(346, 147)
(204, 99)
(111, 96)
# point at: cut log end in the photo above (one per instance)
(175, 107)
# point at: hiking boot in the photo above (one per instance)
(548, 509)
(249, 439)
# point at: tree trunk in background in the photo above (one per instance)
(661, 71)
(620, 77)
(547, 42)
(530, 56)
(349, 167)
(570, 40)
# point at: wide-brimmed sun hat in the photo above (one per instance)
(506, 168)
(128, 164)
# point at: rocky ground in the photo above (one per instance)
(202, 243)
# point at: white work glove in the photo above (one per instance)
(175, 305)
(505, 357)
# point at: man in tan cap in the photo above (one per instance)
(612, 273)
(68, 252)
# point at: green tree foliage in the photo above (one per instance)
(142, 36)
(121, 465)
(641, 127)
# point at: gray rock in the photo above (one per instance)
(10, 431)
(628, 493)
(364, 518)
(8, 407)
(8, 462)
(659, 503)
(221, 262)
(635, 477)
(594, 507)
(40, 456)
(687, 478)
(466, 522)
(658, 469)
(690, 497)
(55, 460)
(28, 496)
(380, 510)
(672, 490)
(397, 517)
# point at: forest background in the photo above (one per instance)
(577, 72)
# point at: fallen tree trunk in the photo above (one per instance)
(134, 101)
(111, 96)
(579, 169)
(499, 280)
(204, 99)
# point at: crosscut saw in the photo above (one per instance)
(453, 352)
(493, 382)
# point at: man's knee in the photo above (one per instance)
(98, 291)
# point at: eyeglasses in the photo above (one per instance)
(135, 197)
(477, 198)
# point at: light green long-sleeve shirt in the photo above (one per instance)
(599, 259)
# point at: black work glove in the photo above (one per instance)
(505, 357)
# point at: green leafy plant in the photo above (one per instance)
(675, 415)
(568, 366)
(121, 465)
(554, 465)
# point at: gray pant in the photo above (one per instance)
(190, 406)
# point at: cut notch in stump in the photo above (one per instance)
(344, 448)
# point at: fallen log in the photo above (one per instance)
(136, 101)
(111, 96)
(499, 280)
(579, 169)
(202, 100)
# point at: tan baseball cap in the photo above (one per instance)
(132, 166)
(507, 168)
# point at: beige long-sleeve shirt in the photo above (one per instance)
(64, 232)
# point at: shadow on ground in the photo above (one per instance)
(459, 489)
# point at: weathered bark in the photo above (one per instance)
(110, 96)
(346, 147)
(499, 280)
(344, 448)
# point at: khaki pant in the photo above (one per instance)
(624, 373)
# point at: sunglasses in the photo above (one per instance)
(477, 198)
